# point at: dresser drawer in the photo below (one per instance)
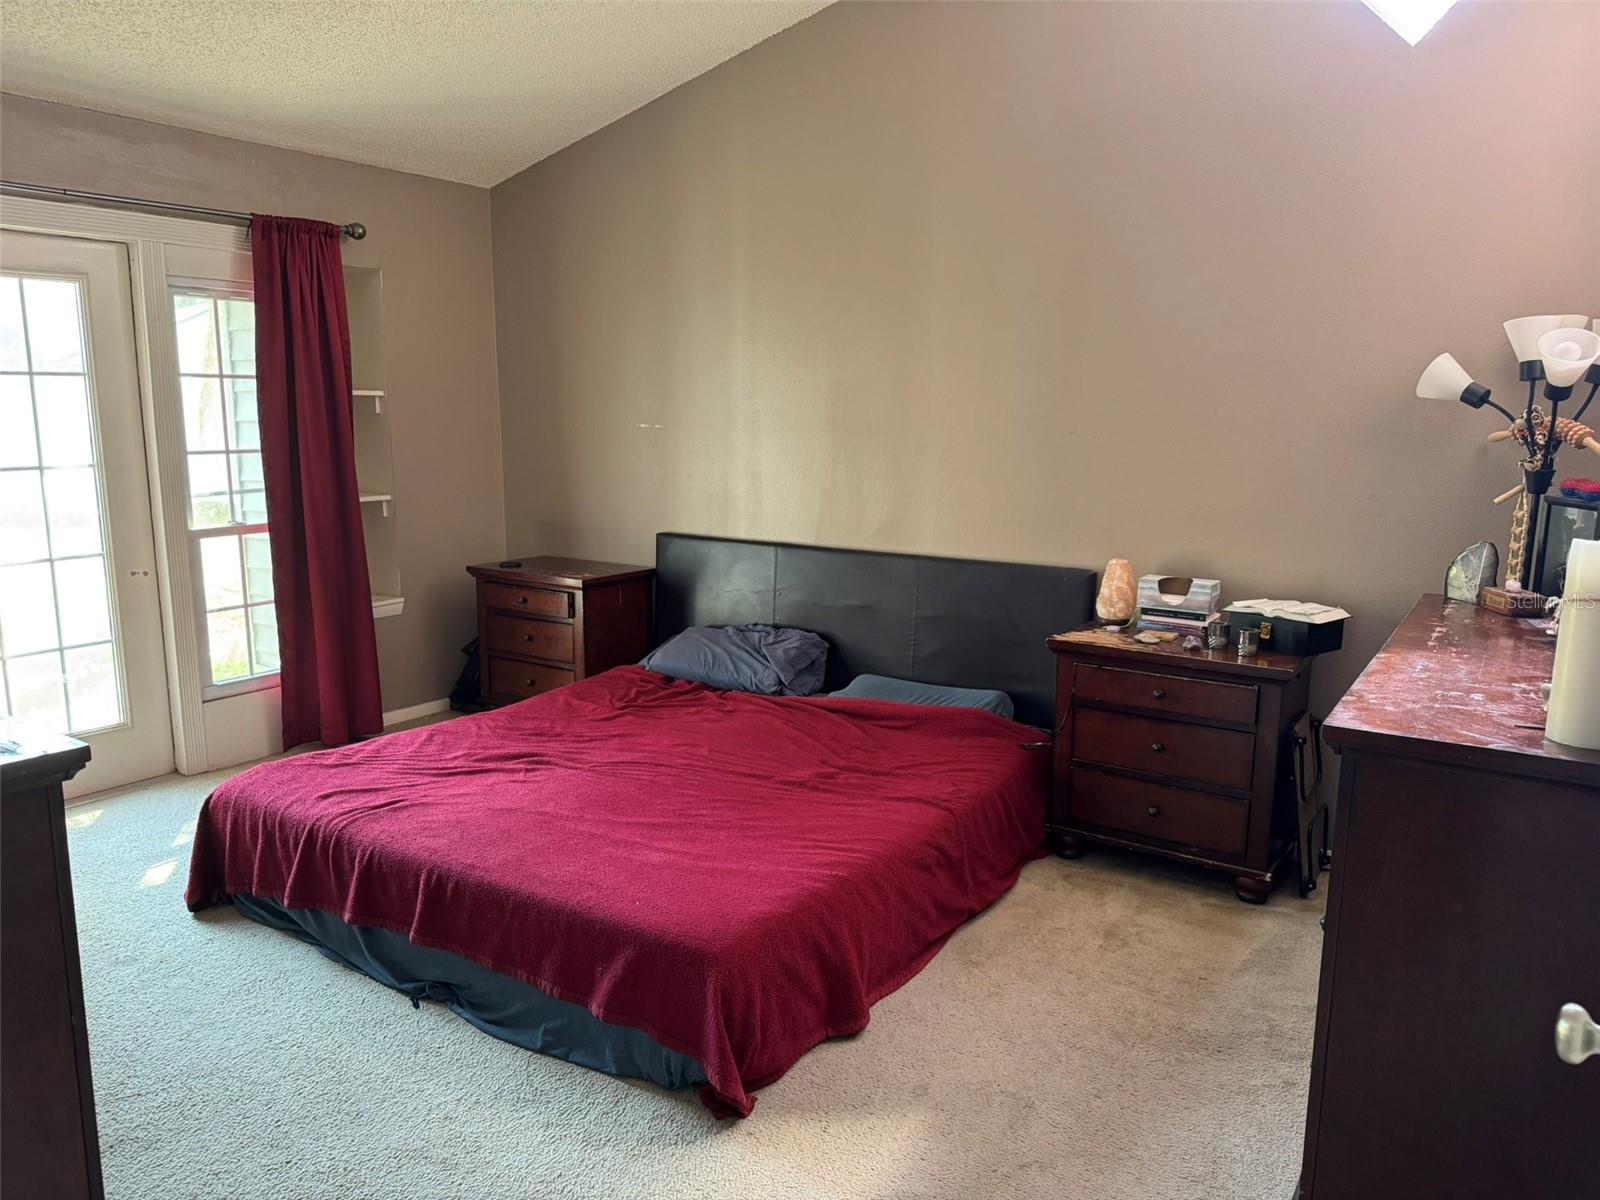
(1196, 753)
(525, 635)
(508, 677)
(1234, 703)
(543, 602)
(1153, 810)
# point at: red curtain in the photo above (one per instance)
(319, 560)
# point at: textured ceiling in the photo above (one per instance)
(470, 90)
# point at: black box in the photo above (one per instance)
(1288, 636)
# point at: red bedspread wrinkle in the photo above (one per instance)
(739, 876)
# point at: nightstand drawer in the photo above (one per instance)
(1234, 703)
(1193, 753)
(508, 677)
(542, 602)
(1152, 810)
(525, 635)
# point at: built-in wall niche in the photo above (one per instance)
(374, 444)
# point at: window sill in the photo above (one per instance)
(237, 687)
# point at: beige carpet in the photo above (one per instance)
(1113, 1029)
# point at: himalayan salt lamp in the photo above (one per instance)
(1115, 601)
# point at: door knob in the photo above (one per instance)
(1577, 1036)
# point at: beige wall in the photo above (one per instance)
(431, 240)
(1057, 282)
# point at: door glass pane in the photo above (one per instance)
(22, 532)
(17, 445)
(92, 686)
(27, 609)
(37, 694)
(58, 662)
(54, 328)
(13, 349)
(62, 405)
(219, 572)
(81, 601)
(74, 508)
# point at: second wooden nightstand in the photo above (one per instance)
(544, 622)
(1179, 753)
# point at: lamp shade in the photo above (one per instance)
(1567, 353)
(1446, 379)
(1524, 332)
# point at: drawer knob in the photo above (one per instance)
(522, 599)
(527, 637)
(1153, 811)
(527, 683)
(1158, 693)
(1157, 747)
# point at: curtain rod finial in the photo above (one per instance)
(355, 231)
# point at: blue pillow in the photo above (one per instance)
(744, 658)
(907, 691)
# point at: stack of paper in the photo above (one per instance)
(1292, 610)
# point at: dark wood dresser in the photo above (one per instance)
(49, 1146)
(544, 622)
(1463, 912)
(1181, 753)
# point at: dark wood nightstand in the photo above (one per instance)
(1180, 753)
(544, 622)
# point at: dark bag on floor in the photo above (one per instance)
(467, 693)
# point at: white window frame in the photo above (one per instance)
(232, 724)
(265, 679)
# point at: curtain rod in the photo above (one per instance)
(355, 231)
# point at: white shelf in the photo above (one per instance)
(382, 498)
(373, 394)
(387, 606)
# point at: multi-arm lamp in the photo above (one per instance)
(1559, 352)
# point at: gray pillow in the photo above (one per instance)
(744, 658)
(908, 691)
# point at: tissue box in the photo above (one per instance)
(1180, 593)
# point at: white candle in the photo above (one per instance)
(1574, 716)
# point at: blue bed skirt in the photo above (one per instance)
(507, 1008)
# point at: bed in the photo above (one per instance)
(656, 879)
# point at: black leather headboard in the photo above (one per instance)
(954, 621)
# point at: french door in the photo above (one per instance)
(80, 617)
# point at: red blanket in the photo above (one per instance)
(739, 876)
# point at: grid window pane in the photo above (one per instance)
(62, 405)
(197, 334)
(92, 687)
(209, 504)
(237, 319)
(264, 636)
(13, 347)
(27, 609)
(219, 573)
(73, 502)
(55, 329)
(22, 534)
(244, 422)
(250, 495)
(230, 654)
(37, 694)
(202, 413)
(17, 445)
(257, 567)
(81, 602)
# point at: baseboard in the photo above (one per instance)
(426, 709)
